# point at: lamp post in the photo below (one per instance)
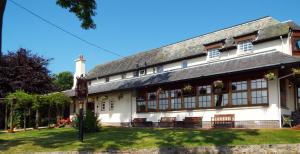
(81, 92)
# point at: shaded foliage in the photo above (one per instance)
(83, 9)
(26, 71)
(90, 123)
(63, 81)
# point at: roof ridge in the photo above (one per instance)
(190, 38)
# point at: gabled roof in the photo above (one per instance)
(267, 28)
(253, 62)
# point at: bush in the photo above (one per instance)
(90, 123)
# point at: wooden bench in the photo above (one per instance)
(192, 122)
(223, 121)
(141, 122)
(167, 122)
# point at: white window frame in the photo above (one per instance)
(160, 69)
(142, 72)
(103, 106)
(184, 64)
(213, 54)
(245, 47)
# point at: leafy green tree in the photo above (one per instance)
(63, 80)
(83, 9)
(23, 102)
(60, 101)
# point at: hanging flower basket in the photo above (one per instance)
(187, 88)
(218, 84)
(159, 90)
(270, 76)
(296, 72)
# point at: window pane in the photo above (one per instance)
(189, 102)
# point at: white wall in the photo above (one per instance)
(123, 109)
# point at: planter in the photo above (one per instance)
(187, 89)
(218, 84)
(296, 72)
(270, 76)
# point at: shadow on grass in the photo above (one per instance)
(111, 139)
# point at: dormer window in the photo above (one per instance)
(135, 73)
(142, 72)
(160, 69)
(213, 49)
(123, 76)
(214, 53)
(245, 46)
(184, 64)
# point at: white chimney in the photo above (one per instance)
(79, 69)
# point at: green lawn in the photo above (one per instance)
(65, 139)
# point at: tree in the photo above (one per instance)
(63, 80)
(59, 100)
(25, 71)
(83, 9)
(23, 102)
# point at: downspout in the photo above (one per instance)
(130, 109)
(279, 100)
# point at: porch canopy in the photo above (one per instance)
(251, 62)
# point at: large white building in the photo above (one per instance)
(218, 73)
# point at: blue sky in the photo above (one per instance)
(128, 26)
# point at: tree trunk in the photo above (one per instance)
(2, 8)
(24, 114)
(37, 118)
(5, 127)
(57, 115)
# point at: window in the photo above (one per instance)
(204, 96)
(141, 104)
(175, 99)
(89, 83)
(103, 106)
(142, 72)
(297, 44)
(124, 76)
(160, 69)
(151, 101)
(215, 53)
(107, 79)
(154, 70)
(189, 99)
(111, 106)
(245, 46)
(163, 100)
(239, 93)
(135, 73)
(184, 64)
(259, 91)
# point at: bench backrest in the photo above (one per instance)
(192, 119)
(139, 120)
(167, 119)
(223, 117)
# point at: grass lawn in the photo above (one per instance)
(65, 139)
